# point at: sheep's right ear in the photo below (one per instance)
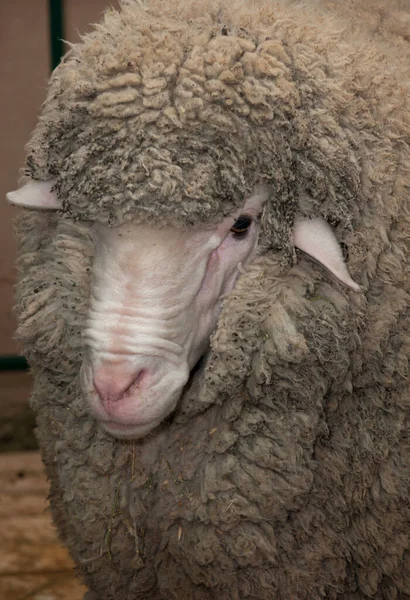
(36, 194)
(316, 238)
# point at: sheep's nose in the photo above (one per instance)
(115, 383)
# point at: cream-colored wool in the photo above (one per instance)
(284, 472)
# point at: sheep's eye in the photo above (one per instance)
(241, 225)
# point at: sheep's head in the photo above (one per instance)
(159, 140)
(156, 295)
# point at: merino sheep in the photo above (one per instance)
(189, 147)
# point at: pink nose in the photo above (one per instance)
(113, 384)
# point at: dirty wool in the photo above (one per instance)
(283, 472)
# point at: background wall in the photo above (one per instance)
(24, 70)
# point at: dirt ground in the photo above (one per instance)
(33, 564)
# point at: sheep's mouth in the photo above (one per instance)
(132, 431)
(142, 411)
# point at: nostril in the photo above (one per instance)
(112, 385)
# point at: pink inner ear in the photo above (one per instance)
(36, 194)
(316, 238)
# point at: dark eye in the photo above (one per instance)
(241, 226)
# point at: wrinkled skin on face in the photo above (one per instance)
(156, 295)
(155, 299)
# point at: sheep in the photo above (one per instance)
(239, 170)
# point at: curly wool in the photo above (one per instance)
(283, 472)
(142, 119)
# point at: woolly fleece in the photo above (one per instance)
(284, 471)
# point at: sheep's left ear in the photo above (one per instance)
(316, 238)
(36, 194)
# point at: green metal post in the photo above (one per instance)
(56, 20)
(13, 363)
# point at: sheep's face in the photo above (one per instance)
(155, 299)
(156, 295)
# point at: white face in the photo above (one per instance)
(155, 300)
